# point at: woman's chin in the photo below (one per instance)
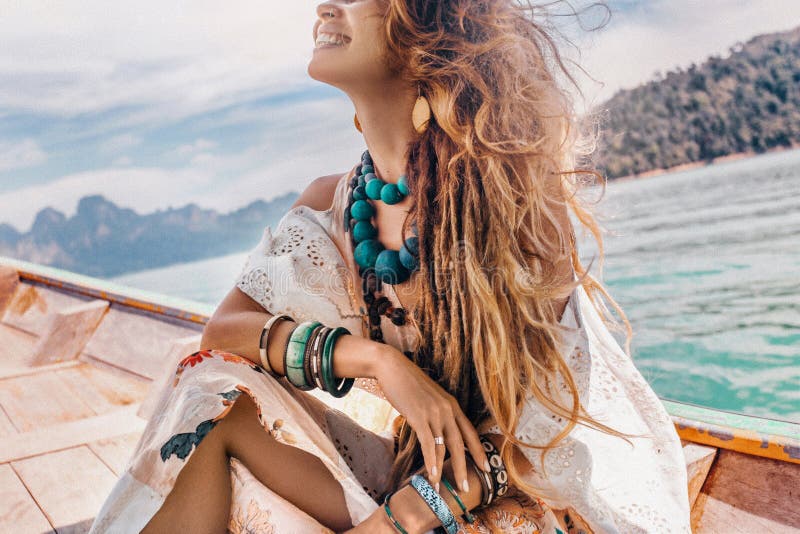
(316, 73)
(325, 73)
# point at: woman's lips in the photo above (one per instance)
(330, 40)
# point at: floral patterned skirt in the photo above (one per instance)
(203, 390)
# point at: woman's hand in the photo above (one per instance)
(431, 411)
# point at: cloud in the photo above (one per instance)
(165, 59)
(21, 154)
(122, 161)
(285, 158)
(132, 73)
(120, 143)
(168, 61)
(199, 146)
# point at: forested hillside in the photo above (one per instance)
(748, 101)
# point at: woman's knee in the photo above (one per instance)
(241, 424)
(244, 407)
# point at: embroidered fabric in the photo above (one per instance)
(614, 486)
(306, 270)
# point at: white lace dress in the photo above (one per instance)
(595, 483)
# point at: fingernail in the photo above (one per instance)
(437, 487)
(433, 471)
(486, 466)
(465, 485)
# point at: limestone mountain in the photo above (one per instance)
(104, 240)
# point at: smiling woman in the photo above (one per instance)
(444, 279)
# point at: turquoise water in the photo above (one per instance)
(706, 263)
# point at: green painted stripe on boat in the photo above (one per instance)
(761, 425)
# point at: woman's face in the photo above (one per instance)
(349, 45)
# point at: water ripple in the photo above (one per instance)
(706, 263)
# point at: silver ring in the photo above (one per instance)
(438, 440)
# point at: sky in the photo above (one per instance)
(158, 104)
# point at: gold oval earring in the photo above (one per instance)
(421, 114)
(357, 123)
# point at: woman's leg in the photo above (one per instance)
(201, 502)
(200, 499)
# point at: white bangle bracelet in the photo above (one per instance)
(264, 340)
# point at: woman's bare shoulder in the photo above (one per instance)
(319, 193)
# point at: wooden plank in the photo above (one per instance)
(9, 282)
(70, 486)
(31, 307)
(179, 349)
(40, 400)
(135, 341)
(18, 510)
(25, 371)
(745, 493)
(103, 390)
(65, 435)
(16, 348)
(698, 463)
(67, 332)
(6, 426)
(116, 452)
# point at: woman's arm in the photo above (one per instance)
(238, 320)
(237, 324)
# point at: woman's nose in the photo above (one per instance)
(326, 10)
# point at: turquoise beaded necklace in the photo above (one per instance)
(391, 266)
(377, 264)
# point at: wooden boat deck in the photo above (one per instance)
(74, 375)
(65, 429)
(81, 359)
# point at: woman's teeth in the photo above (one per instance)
(331, 39)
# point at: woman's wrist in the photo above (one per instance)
(353, 356)
(358, 357)
(385, 360)
(411, 510)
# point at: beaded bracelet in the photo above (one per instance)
(395, 523)
(263, 342)
(468, 516)
(435, 503)
(499, 474)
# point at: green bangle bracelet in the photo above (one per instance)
(468, 516)
(295, 350)
(388, 511)
(328, 378)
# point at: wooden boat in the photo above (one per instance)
(82, 360)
